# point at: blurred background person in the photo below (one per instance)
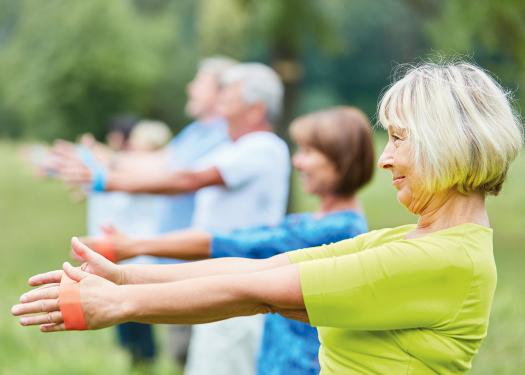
(335, 158)
(127, 156)
(138, 214)
(149, 136)
(242, 183)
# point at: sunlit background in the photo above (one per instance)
(67, 67)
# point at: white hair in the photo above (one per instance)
(216, 65)
(150, 135)
(260, 84)
(460, 126)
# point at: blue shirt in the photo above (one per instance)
(184, 152)
(288, 347)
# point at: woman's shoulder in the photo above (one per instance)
(468, 233)
(469, 238)
(385, 235)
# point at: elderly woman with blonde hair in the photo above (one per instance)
(414, 299)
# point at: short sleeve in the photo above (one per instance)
(335, 249)
(257, 243)
(394, 286)
(247, 158)
(349, 246)
(297, 231)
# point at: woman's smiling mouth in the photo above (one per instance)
(397, 180)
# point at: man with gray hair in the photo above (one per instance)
(241, 183)
(254, 170)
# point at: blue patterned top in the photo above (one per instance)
(288, 347)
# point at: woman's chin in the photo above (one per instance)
(404, 200)
(308, 189)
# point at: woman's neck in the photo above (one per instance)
(449, 209)
(331, 203)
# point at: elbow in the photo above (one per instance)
(300, 315)
(264, 308)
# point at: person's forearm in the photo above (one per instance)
(162, 182)
(212, 298)
(153, 183)
(103, 154)
(137, 162)
(200, 300)
(186, 244)
(145, 274)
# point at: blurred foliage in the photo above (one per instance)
(492, 32)
(68, 66)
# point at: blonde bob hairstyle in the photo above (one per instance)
(462, 131)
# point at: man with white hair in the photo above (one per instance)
(255, 170)
(242, 183)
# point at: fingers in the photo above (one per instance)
(83, 252)
(74, 273)
(80, 250)
(109, 229)
(75, 175)
(46, 278)
(44, 305)
(75, 256)
(54, 317)
(40, 293)
(71, 169)
(64, 149)
(47, 286)
(53, 327)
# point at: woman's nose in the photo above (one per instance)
(386, 159)
(297, 160)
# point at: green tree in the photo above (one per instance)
(67, 66)
(490, 32)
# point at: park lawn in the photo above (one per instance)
(37, 219)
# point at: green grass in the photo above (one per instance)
(37, 220)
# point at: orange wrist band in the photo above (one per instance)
(69, 304)
(106, 248)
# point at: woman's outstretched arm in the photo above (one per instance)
(147, 274)
(188, 244)
(198, 300)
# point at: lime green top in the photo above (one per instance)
(385, 304)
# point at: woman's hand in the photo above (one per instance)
(94, 263)
(99, 298)
(121, 245)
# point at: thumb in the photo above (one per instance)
(109, 229)
(83, 252)
(75, 274)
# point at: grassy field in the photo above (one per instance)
(37, 220)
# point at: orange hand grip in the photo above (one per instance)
(106, 248)
(70, 305)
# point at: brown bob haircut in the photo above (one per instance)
(344, 135)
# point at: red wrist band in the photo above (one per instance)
(106, 248)
(70, 305)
